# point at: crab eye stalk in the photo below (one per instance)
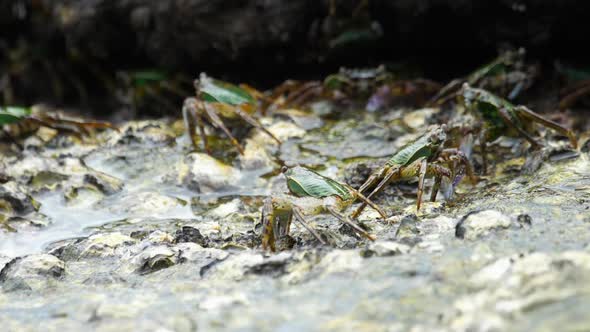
(284, 169)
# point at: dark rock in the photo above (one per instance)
(14, 199)
(385, 248)
(190, 234)
(273, 266)
(524, 219)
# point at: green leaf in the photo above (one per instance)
(12, 114)
(411, 152)
(213, 90)
(305, 182)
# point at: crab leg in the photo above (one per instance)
(373, 178)
(435, 187)
(527, 113)
(244, 115)
(571, 97)
(367, 201)
(445, 94)
(301, 96)
(506, 117)
(216, 120)
(483, 146)
(421, 177)
(388, 177)
(299, 217)
(78, 124)
(53, 125)
(453, 154)
(267, 219)
(349, 222)
(192, 120)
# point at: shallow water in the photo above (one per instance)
(519, 277)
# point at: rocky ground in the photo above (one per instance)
(130, 230)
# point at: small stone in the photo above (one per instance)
(15, 200)
(480, 223)
(385, 248)
(154, 258)
(407, 227)
(524, 219)
(104, 244)
(32, 272)
(159, 237)
(274, 265)
(204, 258)
(203, 173)
(190, 234)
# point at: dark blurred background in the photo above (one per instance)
(101, 55)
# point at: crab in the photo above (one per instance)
(507, 75)
(21, 121)
(309, 194)
(347, 83)
(377, 86)
(423, 157)
(573, 93)
(215, 100)
(577, 85)
(498, 117)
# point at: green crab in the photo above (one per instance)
(215, 100)
(426, 156)
(498, 117)
(347, 83)
(507, 74)
(377, 86)
(18, 122)
(309, 194)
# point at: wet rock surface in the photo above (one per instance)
(166, 238)
(31, 272)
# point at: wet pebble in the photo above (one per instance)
(385, 248)
(274, 265)
(154, 258)
(524, 220)
(98, 245)
(32, 272)
(203, 173)
(14, 200)
(480, 223)
(190, 234)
